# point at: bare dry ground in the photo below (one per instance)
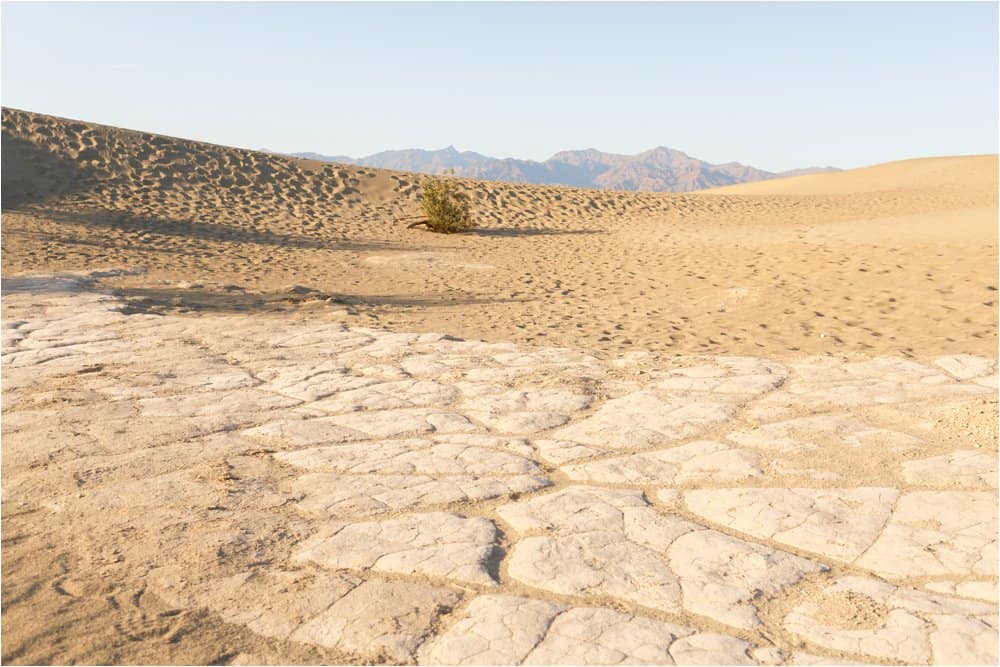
(754, 426)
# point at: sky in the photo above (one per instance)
(775, 85)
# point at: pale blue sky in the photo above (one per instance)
(779, 85)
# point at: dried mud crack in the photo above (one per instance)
(309, 492)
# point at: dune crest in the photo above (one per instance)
(968, 174)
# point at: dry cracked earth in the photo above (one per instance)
(414, 498)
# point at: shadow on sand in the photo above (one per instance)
(163, 300)
(156, 234)
(30, 174)
(513, 232)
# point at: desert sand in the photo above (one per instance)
(250, 418)
(905, 263)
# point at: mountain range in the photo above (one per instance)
(658, 170)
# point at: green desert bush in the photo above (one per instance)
(446, 208)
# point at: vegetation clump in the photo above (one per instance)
(446, 209)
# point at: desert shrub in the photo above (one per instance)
(446, 208)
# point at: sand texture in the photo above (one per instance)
(904, 265)
(249, 418)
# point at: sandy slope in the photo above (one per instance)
(969, 173)
(899, 257)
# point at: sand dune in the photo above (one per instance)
(898, 257)
(970, 174)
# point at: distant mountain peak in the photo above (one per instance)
(659, 169)
(665, 149)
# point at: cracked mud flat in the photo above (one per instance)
(224, 488)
